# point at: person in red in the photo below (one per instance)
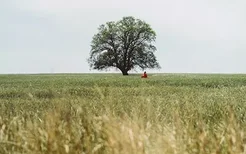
(144, 75)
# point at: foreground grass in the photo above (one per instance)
(172, 114)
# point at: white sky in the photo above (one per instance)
(199, 36)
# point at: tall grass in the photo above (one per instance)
(171, 114)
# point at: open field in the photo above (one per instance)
(109, 113)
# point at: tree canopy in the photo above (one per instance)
(125, 44)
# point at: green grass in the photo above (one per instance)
(110, 113)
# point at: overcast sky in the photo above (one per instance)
(193, 36)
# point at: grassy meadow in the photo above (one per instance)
(114, 114)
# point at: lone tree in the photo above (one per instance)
(125, 44)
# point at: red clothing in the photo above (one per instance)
(144, 75)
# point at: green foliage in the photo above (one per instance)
(108, 113)
(125, 44)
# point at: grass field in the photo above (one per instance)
(109, 113)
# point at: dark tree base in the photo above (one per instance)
(124, 73)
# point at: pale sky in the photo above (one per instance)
(193, 36)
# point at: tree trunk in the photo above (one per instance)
(124, 72)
